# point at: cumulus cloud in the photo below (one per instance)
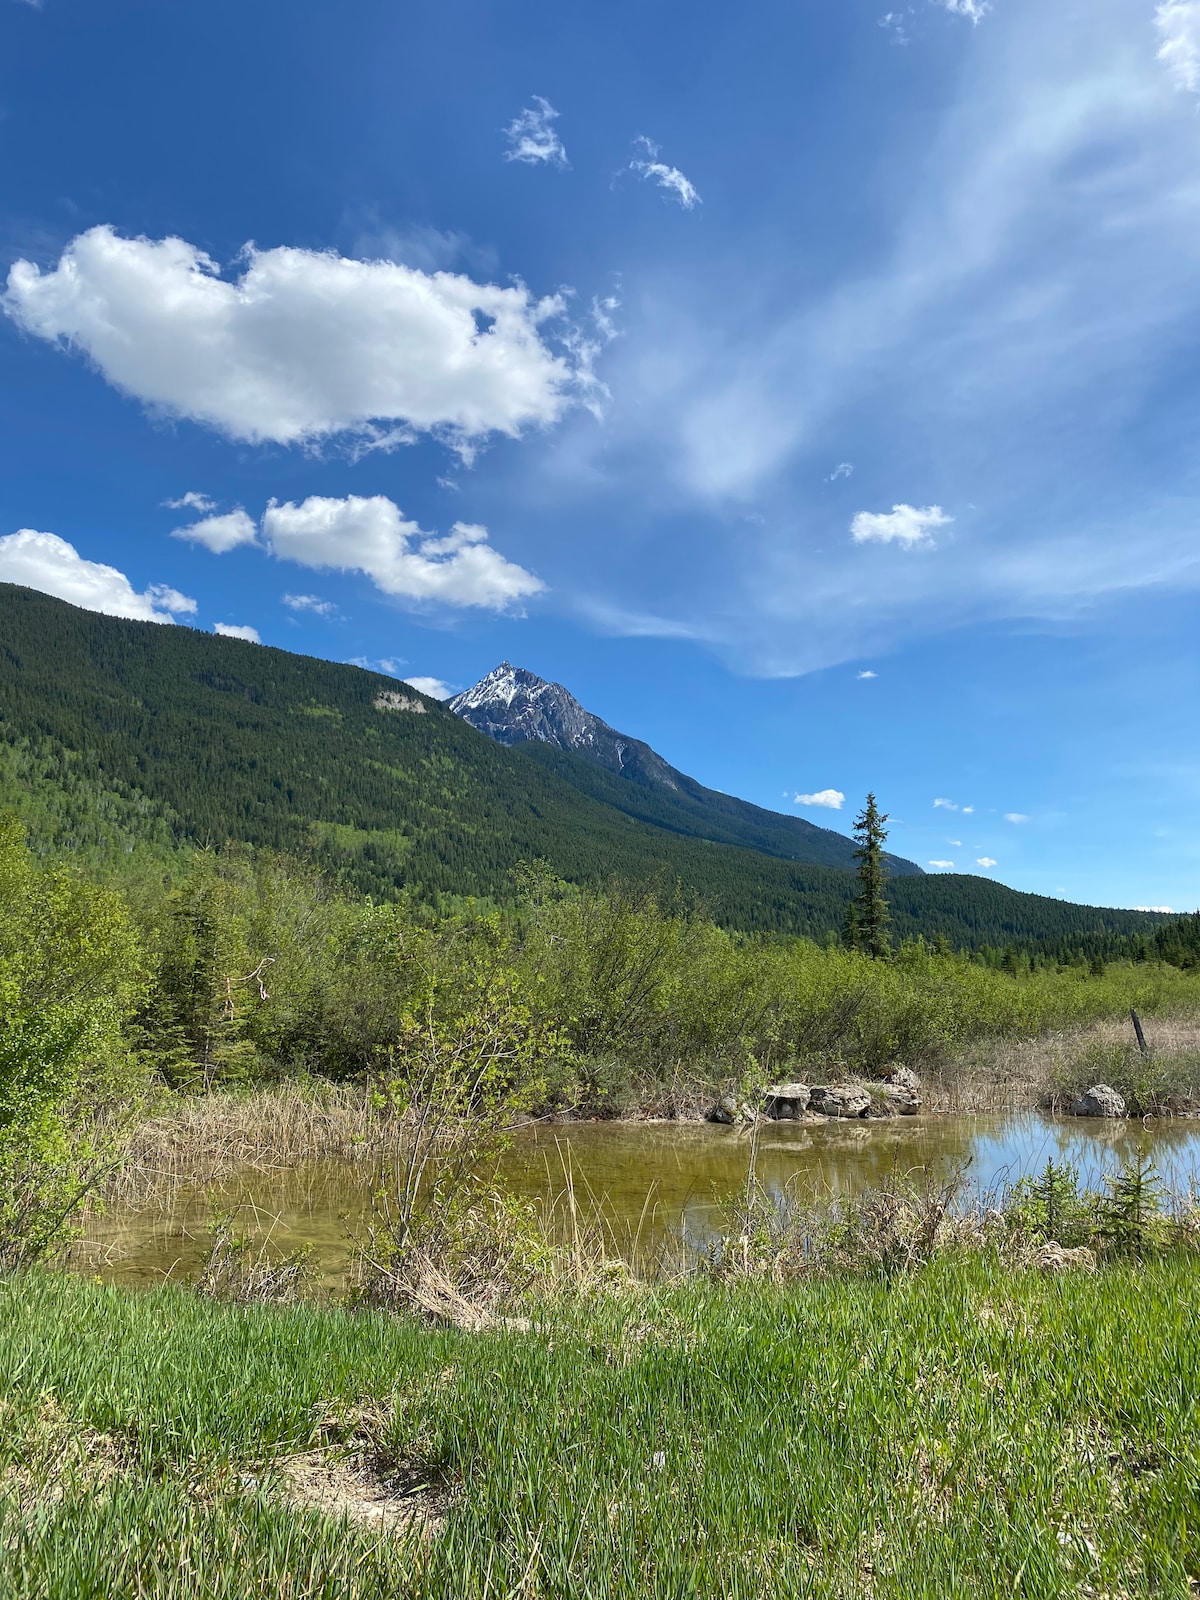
(309, 602)
(1015, 816)
(986, 861)
(433, 687)
(237, 630)
(830, 799)
(304, 344)
(1167, 909)
(220, 534)
(191, 501)
(1178, 24)
(532, 137)
(905, 525)
(370, 535)
(942, 866)
(945, 805)
(868, 674)
(668, 178)
(45, 562)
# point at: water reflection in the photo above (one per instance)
(656, 1182)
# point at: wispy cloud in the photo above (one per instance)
(1036, 284)
(532, 137)
(191, 501)
(973, 10)
(311, 603)
(1178, 24)
(844, 469)
(829, 799)
(669, 178)
(868, 674)
(1015, 816)
(904, 525)
(942, 804)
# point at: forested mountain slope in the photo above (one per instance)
(114, 733)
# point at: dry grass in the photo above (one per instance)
(1009, 1074)
(205, 1138)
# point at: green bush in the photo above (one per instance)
(71, 974)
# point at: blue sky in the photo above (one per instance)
(811, 387)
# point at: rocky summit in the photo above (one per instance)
(515, 706)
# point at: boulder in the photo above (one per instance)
(840, 1100)
(786, 1101)
(902, 1078)
(897, 1099)
(730, 1110)
(1099, 1101)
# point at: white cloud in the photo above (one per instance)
(1178, 24)
(45, 562)
(1015, 816)
(1169, 911)
(532, 137)
(433, 687)
(370, 535)
(669, 178)
(844, 469)
(906, 525)
(942, 866)
(236, 630)
(220, 534)
(968, 810)
(304, 344)
(830, 799)
(956, 843)
(986, 862)
(974, 10)
(868, 674)
(309, 602)
(191, 501)
(945, 805)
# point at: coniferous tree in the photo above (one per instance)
(874, 938)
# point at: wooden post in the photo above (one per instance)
(1137, 1028)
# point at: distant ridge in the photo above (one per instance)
(516, 707)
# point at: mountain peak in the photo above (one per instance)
(514, 706)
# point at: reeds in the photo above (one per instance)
(199, 1139)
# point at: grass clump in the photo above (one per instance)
(966, 1429)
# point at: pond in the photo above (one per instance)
(656, 1183)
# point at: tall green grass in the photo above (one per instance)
(964, 1430)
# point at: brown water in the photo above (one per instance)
(658, 1183)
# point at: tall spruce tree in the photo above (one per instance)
(870, 906)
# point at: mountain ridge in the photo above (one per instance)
(515, 707)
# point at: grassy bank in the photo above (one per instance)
(968, 1429)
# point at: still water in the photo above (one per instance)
(659, 1182)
